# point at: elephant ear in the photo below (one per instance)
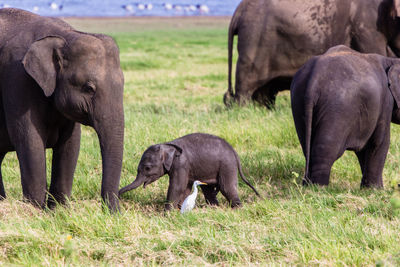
(396, 8)
(43, 60)
(169, 152)
(394, 83)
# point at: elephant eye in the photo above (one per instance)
(89, 87)
(147, 168)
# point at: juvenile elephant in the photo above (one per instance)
(276, 37)
(52, 78)
(345, 100)
(192, 157)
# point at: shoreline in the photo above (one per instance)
(111, 25)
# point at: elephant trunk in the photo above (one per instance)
(135, 184)
(110, 130)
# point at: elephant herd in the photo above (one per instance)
(338, 57)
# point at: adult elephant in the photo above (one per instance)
(52, 78)
(276, 37)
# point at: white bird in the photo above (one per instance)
(141, 6)
(149, 6)
(192, 8)
(128, 8)
(178, 7)
(203, 9)
(189, 202)
(53, 6)
(167, 6)
(35, 9)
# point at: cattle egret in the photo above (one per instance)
(192, 8)
(190, 201)
(203, 9)
(149, 6)
(167, 6)
(128, 8)
(53, 6)
(141, 6)
(178, 7)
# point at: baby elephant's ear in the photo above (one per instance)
(394, 83)
(169, 151)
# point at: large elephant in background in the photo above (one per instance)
(52, 78)
(276, 37)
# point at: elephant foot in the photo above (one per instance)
(228, 99)
(236, 204)
(369, 184)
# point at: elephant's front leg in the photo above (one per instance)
(65, 157)
(32, 161)
(177, 186)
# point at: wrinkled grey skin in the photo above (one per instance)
(52, 78)
(345, 100)
(276, 37)
(197, 156)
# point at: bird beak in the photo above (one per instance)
(202, 183)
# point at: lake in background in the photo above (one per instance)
(117, 8)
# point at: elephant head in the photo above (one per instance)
(156, 161)
(81, 74)
(389, 24)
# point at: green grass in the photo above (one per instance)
(175, 75)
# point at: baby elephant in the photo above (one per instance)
(344, 100)
(192, 157)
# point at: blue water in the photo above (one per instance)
(125, 7)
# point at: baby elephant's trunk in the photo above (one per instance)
(135, 184)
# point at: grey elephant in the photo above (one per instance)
(52, 78)
(345, 100)
(192, 157)
(276, 37)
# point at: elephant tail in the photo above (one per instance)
(242, 175)
(308, 112)
(233, 30)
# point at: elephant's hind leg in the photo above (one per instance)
(266, 94)
(327, 146)
(228, 184)
(210, 193)
(372, 159)
(65, 157)
(2, 190)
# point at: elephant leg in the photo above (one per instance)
(372, 159)
(2, 190)
(266, 94)
(246, 82)
(32, 161)
(324, 151)
(228, 184)
(210, 193)
(65, 157)
(178, 182)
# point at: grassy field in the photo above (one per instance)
(175, 75)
